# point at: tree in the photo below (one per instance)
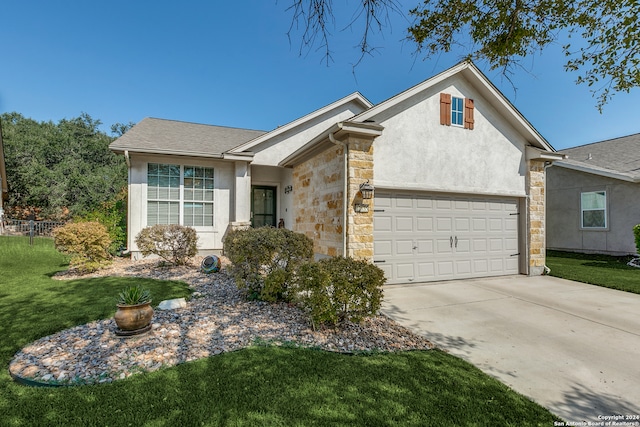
(502, 33)
(60, 170)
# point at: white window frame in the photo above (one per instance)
(604, 209)
(457, 113)
(208, 197)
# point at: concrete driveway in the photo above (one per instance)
(571, 347)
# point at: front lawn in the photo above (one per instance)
(261, 385)
(602, 270)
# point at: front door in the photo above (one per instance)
(263, 206)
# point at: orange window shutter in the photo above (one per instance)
(445, 109)
(468, 113)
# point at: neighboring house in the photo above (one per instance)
(457, 175)
(593, 197)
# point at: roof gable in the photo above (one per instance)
(482, 84)
(616, 158)
(355, 97)
(162, 136)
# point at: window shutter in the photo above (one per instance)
(468, 113)
(445, 109)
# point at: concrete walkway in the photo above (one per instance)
(571, 347)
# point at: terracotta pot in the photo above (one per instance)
(133, 317)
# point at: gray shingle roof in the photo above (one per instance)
(619, 156)
(182, 138)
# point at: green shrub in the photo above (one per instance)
(264, 260)
(335, 290)
(113, 215)
(173, 243)
(636, 233)
(87, 243)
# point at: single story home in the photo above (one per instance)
(442, 181)
(593, 198)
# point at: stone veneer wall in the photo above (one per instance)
(360, 225)
(318, 187)
(535, 217)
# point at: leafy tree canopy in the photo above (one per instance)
(59, 169)
(603, 35)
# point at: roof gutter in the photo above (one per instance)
(345, 202)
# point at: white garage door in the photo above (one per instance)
(426, 237)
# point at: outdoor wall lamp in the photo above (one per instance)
(366, 190)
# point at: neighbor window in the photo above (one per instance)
(593, 206)
(179, 195)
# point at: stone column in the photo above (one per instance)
(359, 224)
(535, 217)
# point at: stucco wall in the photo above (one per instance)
(318, 187)
(210, 238)
(279, 147)
(416, 152)
(564, 230)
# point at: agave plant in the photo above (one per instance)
(134, 295)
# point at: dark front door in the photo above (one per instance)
(263, 206)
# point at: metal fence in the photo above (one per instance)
(29, 227)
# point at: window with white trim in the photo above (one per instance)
(593, 207)
(179, 194)
(457, 111)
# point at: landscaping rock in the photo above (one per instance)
(172, 304)
(221, 320)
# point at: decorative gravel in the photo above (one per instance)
(217, 319)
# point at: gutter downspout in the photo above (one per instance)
(547, 165)
(345, 201)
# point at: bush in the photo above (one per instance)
(636, 233)
(335, 290)
(113, 215)
(264, 260)
(87, 243)
(173, 243)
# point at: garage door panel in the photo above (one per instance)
(463, 224)
(424, 203)
(405, 271)
(404, 202)
(383, 247)
(480, 245)
(383, 223)
(443, 246)
(463, 246)
(425, 246)
(511, 245)
(444, 225)
(404, 223)
(424, 237)
(424, 224)
(404, 247)
(480, 266)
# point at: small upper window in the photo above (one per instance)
(457, 111)
(593, 206)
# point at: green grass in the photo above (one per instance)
(261, 385)
(602, 270)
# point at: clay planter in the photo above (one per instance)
(132, 319)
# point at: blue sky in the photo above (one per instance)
(230, 63)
